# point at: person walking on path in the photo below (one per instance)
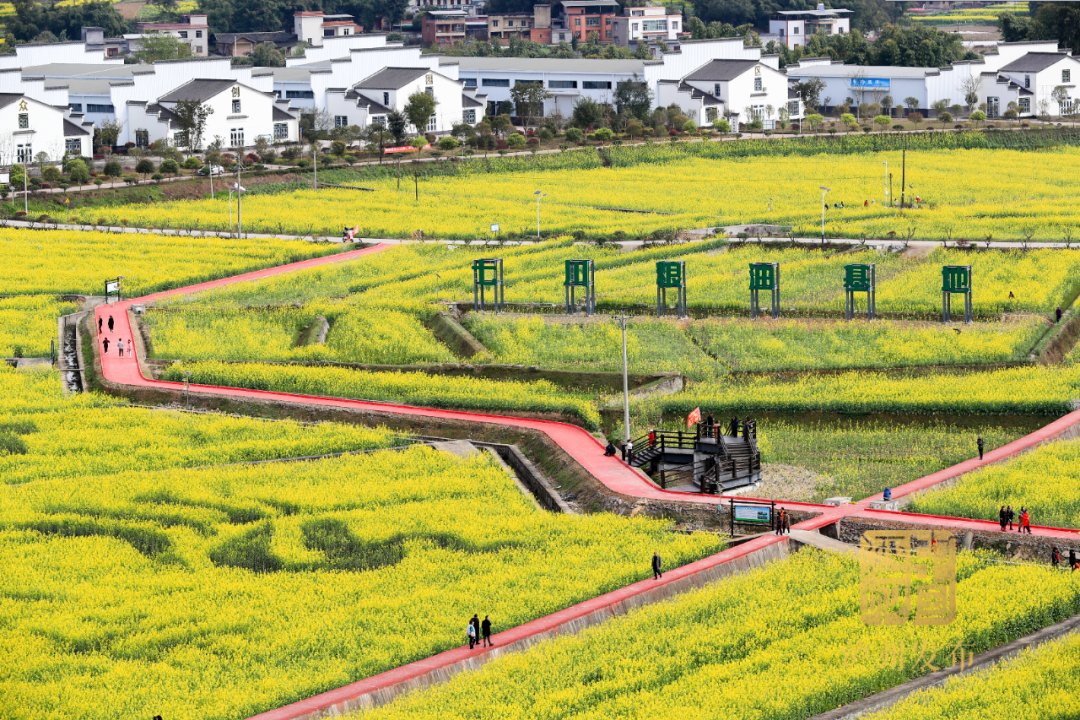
(1025, 521)
(131, 348)
(657, 564)
(110, 323)
(787, 523)
(1009, 515)
(470, 632)
(979, 443)
(485, 631)
(1055, 556)
(475, 623)
(1002, 518)
(1072, 558)
(99, 321)
(105, 345)
(120, 347)
(780, 517)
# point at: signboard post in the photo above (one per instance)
(671, 275)
(860, 277)
(764, 276)
(955, 279)
(749, 512)
(487, 273)
(580, 273)
(112, 289)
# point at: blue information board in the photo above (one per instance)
(865, 83)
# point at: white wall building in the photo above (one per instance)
(793, 27)
(29, 127)
(748, 90)
(192, 30)
(647, 24)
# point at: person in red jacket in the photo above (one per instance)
(1025, 521)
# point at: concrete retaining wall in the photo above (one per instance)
(1010, 544)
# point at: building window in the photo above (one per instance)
(633, 27)
(386, 99)
(711, 114)
(281, 131)
(1027, 81)
(496, 82)
(378, 120)
(592, 22)
(432, 124)
(341, 121)
(795, 30)
(470, 83)
(1065, 107)
(1025, 105)
(494, 23)
(716, 89)
(24, 153)
(469, 117)
(75, 107)
(759, 85)
(198, 33)
(430, 91)
(183, 34)
(236, 107)
(73, 146)
(793, 107)
(91, 107)
(1066, 76)
(654, 25)
(142, 138)
(299, 94)
(24, 121)
(562, 84)
(179, 140)
(595, 84)
(236, 137)
(992, 107)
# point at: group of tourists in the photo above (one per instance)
(105, 342)
(1055, 559)
(479, 631)
(1007, 515)
(783, 522)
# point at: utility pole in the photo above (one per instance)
(903, 176)
(239, 202)
(315, 160)
(416, 181)
(25, 191)
(625, 383)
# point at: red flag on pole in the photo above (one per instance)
(694, 417)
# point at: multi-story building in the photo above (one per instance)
(648, 24)
(503, 28)
(585, 17)
(192, 29)
(793, 27)
(443, 27)
(312, 26)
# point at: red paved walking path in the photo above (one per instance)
(575, 441)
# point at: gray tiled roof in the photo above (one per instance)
(721, 70)
(1033, 62)
(392, 78)
(198, 90)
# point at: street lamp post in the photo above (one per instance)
(239, 203)
(315, 161)
(538, 195)
(625, 383)
(230, 212)
(824, 191)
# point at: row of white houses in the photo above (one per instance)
(52, 97)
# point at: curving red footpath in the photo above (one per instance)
(577, 442)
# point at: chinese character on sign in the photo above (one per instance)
(907, 576)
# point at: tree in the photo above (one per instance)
(159, 46)
(396, 122)
(169, 167)
(814, 120)
(501, 124)
(77, 171)
(634, 128)
(810, 92)
(911, 103)
(883, 122)
(191, 118)
(970, 88)
(113, 169)
(106, 134)
(915, 117)
(633, 99)
(33, 19)
(145, 167)
(1060, 95)
(587, 114)
(41, 158)
(266, 54)
(419, 109)
(977, 117)
(945, 118)
(887, 105)
(939, 107)
(529, 100)
(849, 121)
